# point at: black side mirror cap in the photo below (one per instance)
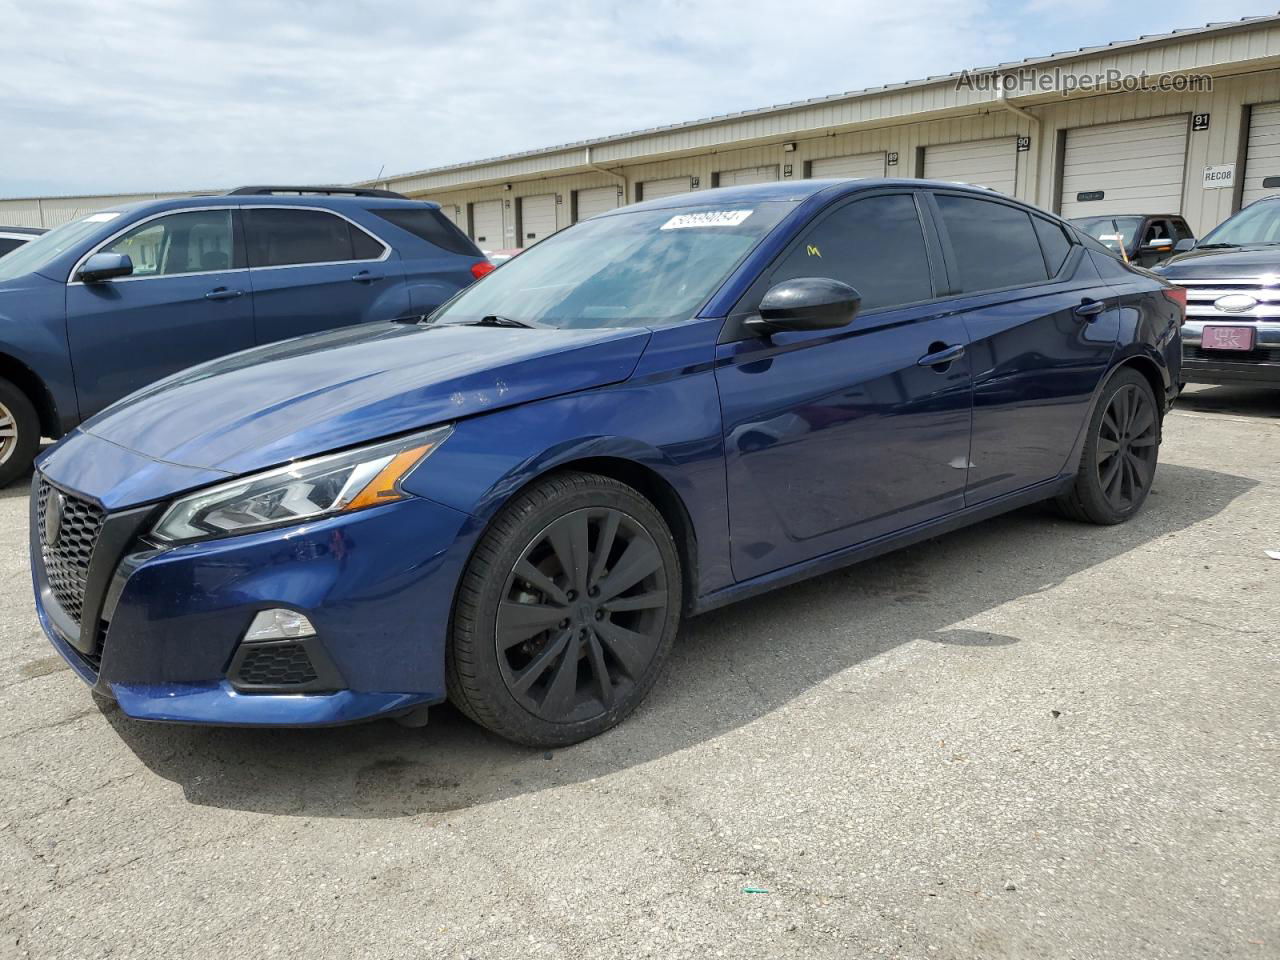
(806, 303)
(1185, 244)
(105, 266)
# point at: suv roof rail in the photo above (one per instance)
(329, 191)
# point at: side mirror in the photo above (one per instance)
(1159, 245)
(806, 303)
(105, 266)
(1185, 244)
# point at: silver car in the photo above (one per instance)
(1232, 279)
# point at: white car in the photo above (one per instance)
(13, 237)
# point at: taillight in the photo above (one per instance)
(481, 267)
(1177, 295)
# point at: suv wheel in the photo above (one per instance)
(19, 433)
(566, 612)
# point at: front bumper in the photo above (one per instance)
(1257, 367)
(160, 629)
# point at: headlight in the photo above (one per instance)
(305, 490)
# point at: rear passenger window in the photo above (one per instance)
(279, 237)
(875, 245)
(430, 225)
(1053, 243)
(994, 244)
(363, 246)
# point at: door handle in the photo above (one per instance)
(1090, 309)
(222, 293)
(941, 357)
(364, 276)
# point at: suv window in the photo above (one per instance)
(430, 225)
(280, 237)
(994, 244)
(193, 241)
(8, 243)
(876, 245)
(1180, 230)
(1053, 243)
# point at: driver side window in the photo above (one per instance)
(875, 245)
(195, 241)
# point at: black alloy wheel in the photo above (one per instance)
(566, 612)
(1122, 447)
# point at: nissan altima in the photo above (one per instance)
(514, 502)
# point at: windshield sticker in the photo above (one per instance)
(100, 217)
(712, 218)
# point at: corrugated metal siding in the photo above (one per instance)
(984, 163)
(52, 211)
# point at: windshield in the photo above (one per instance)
(1256, 223)
(644, 268)
(32, 256)
(1103, 229)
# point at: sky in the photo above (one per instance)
(107, 96)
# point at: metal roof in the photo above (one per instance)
(1145, 40)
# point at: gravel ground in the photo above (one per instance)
(1031, 738)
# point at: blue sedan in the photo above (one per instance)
(513, 503)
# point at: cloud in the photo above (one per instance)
(164, 94)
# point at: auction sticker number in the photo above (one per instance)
(711, 218)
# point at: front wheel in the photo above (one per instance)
(19, 433)
(566, 612)
(1119, 460)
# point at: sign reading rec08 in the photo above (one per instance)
(1219, 176)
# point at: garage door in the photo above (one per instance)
(486, 224)
(450, 210)
(1262, 158)
(734, 178)
(537, 218)
(653, 189)
(985, 163)
(856, 165)
(596, 200)
(1132, 167)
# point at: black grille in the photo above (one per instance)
(1256, 355)
(275, 665)
(66, 559)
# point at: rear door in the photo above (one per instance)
(186, 302)
(836, 437)
(1042, 329)
(312, 270)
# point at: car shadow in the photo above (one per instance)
(731, 667)
(1262, 402)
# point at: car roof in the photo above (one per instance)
(795, 190)
(27, 231)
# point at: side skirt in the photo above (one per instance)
(889, 542)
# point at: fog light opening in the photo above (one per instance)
(279, 624)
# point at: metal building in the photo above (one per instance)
(1071, 132)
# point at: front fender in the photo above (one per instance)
(33, 335)
(669, 424)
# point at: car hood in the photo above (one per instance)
(1238, 262)
(272, 404)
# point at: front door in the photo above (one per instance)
(187, 301)
(834, 438)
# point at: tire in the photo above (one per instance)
(19, 433)
(528, 650)
(1120, 455)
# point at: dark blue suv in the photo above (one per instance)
(119, 298)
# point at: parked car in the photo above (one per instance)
(655, 412)
(11, 238)
(114, 300)
(1146, 238)
(1232, 279)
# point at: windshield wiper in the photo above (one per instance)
(493, 320)
(1215, 246)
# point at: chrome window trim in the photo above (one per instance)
(386, 247)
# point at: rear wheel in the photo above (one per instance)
(1119, 461)
(566, 612)
(19, 433)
